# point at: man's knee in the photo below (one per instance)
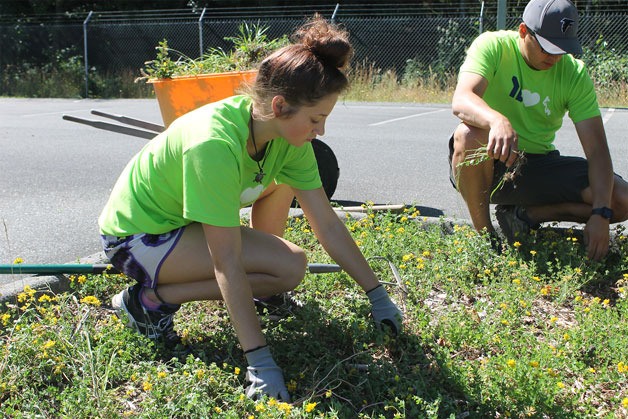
(620, 201)
(467, 138)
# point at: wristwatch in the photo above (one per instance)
(603, 211)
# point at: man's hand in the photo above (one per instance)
(596, 237)
(265, 376)
(384, 311)
(502, 142)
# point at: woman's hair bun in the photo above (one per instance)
(327, 41)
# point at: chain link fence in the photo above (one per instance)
(399, 38)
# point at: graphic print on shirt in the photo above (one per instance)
(250, 194)
(527, 97)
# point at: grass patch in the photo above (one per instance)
(536, 331)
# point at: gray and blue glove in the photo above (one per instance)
(384, 311)
(265, 376)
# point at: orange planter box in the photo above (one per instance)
(182, 94)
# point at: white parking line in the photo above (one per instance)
(607, 116)
(406, 117)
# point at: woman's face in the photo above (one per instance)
(307, 122)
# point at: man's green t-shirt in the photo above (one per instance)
(198, 170)
(534, 101)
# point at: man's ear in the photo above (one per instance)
(280, 106)
(523, 30)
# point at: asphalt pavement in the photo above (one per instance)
(56, 175)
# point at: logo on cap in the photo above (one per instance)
(565, 24)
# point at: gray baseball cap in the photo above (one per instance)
(555, 23)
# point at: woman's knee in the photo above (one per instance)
(293, 268)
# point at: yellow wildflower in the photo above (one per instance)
(91, 300)
(49, 344)
(560, 384)
(511, 363)
(44, 298)
(310, 407)
(534, 364)
(516, 244)
(18, 260)
(285, 407)
(624, 402)
(147, 385)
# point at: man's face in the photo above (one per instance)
(534, 55)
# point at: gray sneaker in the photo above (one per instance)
(152, 324)
(512, 225)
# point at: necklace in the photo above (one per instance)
(259, 176)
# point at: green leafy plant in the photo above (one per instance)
(534, 331)
(480, 155)
(250, 47)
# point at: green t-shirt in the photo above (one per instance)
(535, 102)
(198, 170)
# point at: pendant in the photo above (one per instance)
(259, 176)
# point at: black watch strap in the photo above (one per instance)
(603, 211)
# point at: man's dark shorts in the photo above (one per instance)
(543, 179)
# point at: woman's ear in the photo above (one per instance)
(280, 106)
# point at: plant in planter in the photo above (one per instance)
(182, 83)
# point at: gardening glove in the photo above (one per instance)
(384, 311)
(265, 376)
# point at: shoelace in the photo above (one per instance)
(154, 330)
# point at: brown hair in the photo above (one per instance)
(307, 70)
